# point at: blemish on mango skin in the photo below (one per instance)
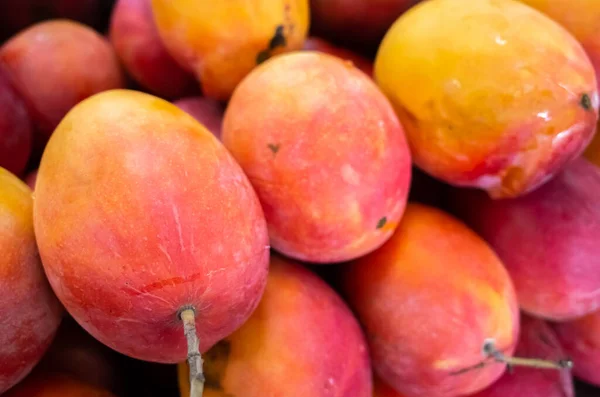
(278, 40)
(382, 222)
(586, 102)
(274, 147)
(170, 282)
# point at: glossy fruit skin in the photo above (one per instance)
(55, 64)
(580, 339)
(302, 340)
(222, 41)
(547, 240)
(140, 212)
(428, 300)
(515, 100)
(580, 17)
(328, 196)
(30, 313)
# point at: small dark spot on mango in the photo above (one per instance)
(278, 39)
(262, 56)
(274, 147)
(381, 222)
(586, 102)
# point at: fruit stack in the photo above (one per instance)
(328, 198)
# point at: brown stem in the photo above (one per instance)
(490, 351)
(194, 358)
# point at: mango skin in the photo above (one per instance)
(302, 340)
(207, 111)
(427, 300)
(580, 339)
(30, 313)
(141, 212)
(581, 18)
(70, 63)
(140, 49)
(547, 239)
(493, 94)
(332, 175)
(357, 22)
(56, 385)
(314, 43)
(15, 128)
(536, 340)
(382, 389)
(222, 41)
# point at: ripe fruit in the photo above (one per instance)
(15, 128)
(140, 49)
(431, 300)
(207, 111)
(143, 219)
(332, 174)
(580, 339)
(30, 179)
(29, 311)
(56, 385)
(580, 17)
(222, 41)
(547, 239)
(382, 389)
(493, 94)
(55, 64)
(536, 340)
(362, 22)
(302, 340)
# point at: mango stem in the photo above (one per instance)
(490, 351)
(194, 358)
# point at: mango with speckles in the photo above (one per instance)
(325, 152)
(547, 239)
(56, 64)
(29, 312)
(302, 340)
(141, 213)
(222, 41)
(429, 300)
(493, 94)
